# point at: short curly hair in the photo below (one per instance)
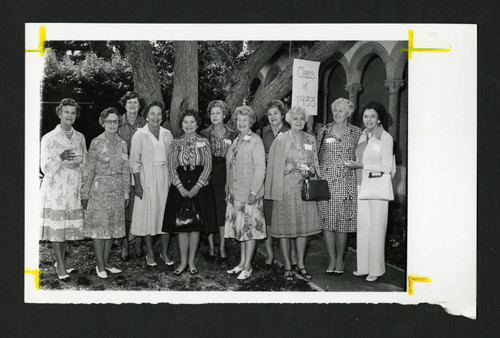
(105, 113)
(277, 104)
(217, 103)
(245, 111)
(297, 110)
(341, 101)
(193, 113)
(383, 115)
(151, 104)
(68, 102)
(129, 96)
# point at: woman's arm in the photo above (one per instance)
(206, 158)
(50, 159)
(89, 169)
(315, 163)
(125, 171)
(259, 161)
(135, 158)
(173, 164)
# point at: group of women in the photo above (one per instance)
(241, 184)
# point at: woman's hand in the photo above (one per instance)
(85, 202)
(138, 190)
(251, 199)
(68, 154)
(183, 191)
(194, 191)
(353, 165)
(127, 202)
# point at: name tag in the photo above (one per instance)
(226, 141)
(200, 144)
(247, 137)
(308, 147)
(330, 140)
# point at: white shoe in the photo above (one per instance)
(356, 273)
(371, 278)
(101, 274)
(113, 270)
(244, 274)
(234, 271)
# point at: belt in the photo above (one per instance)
(218, 159)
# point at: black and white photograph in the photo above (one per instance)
(276, 166)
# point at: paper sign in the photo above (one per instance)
(305, 85)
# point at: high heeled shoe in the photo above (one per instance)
(150, 264)
(70, 270)
(113, 270)
(244, 274)
(371, 278)
(303, 272)
(234, 271)
(101, 274)
(178, 271)
(339, 272)
(171, 263)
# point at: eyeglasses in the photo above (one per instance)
(111, 122)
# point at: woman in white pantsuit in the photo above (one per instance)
(374, 155)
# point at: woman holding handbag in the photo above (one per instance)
(375, 168)
(191, 192)
(292, 158)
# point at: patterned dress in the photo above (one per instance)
(106, 182)
(292, 216)
(190, 164)
(62, 213)
(246, 172)
(339, 213)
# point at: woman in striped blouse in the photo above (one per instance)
(190, 166)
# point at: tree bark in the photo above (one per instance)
(282, 84)
(146, 82)
(242, 79)
(185, 92)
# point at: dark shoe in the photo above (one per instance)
(303, 272)
(178, 271)
(288, 275)
(269, 266)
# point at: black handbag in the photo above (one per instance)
(315, 190)
(187, 215)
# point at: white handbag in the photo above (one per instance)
(376, 186)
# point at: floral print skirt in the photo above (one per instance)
(243, 221)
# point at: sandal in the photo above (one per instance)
(288, 275)
(303, 272)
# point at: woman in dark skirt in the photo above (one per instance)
(190, 166)
(220, 137)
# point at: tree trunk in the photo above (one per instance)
(242, 79)
(185, 92)
(146, 82)
(282, 84)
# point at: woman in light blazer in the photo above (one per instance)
(246, 169)
(374, 157)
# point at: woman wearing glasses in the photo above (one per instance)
(105, 191)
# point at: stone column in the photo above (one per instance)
(394, 86)
(353, 89)
(326, 109)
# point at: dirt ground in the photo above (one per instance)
(138, 276)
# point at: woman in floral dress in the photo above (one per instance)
(246, 169)
(62, 160)
(105, 190)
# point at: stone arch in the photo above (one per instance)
(363, 55)
(327, 66)
(398, 61)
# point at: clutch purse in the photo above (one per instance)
(187, 215)
(315, 190)
(376, 186)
